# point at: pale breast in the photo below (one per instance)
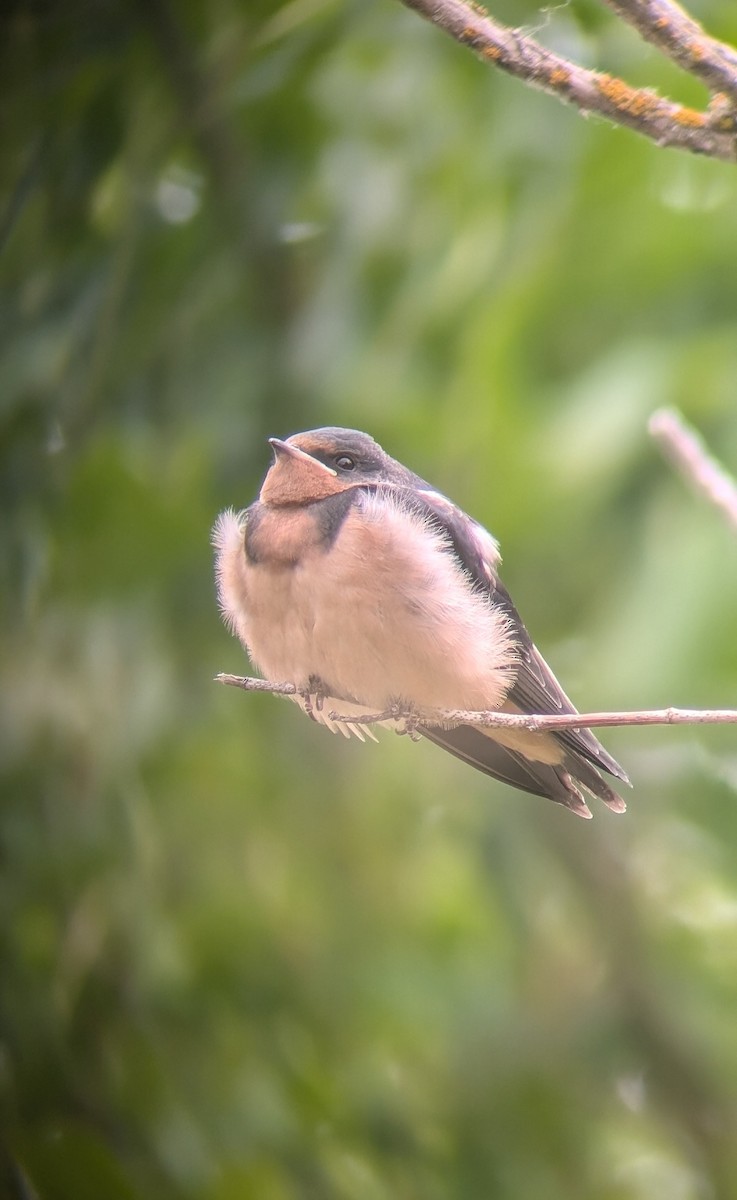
(384, 612)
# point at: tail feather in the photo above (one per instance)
(560, 782)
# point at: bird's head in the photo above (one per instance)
(311, 466)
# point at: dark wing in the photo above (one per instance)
(556, 782)
(536, 690)
(490, 757)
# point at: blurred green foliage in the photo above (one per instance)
(242, 959)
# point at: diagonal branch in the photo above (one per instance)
(712, 133)
(684, 448)
(676, 33)
(533, 723)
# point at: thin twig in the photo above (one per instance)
(533, 723)
(712, 132)
(249, 684)
(684, 448)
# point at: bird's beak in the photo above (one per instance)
(295, 477)
(279, 447)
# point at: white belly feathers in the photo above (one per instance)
(385, 612)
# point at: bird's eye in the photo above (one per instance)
(345, 462)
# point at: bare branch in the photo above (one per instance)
(533, 723)
(683, 447)
(712, 133)
(249, 684)
(674, 32)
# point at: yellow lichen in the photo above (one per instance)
(689, 117)
(559, 77)
(627, 99)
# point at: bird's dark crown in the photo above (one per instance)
(348, 452)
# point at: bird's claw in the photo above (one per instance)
(313, 696)
(410, 720)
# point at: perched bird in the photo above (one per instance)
(353, 578)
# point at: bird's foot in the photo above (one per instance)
(402, 711)
(313, 696)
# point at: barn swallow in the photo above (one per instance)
(353, 578)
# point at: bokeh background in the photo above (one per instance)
(241, 958)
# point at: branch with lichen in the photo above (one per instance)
(532, 722)
(712, 132)
(682, 39)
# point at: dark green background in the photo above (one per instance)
(241, 958)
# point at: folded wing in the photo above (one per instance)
(536, 690)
